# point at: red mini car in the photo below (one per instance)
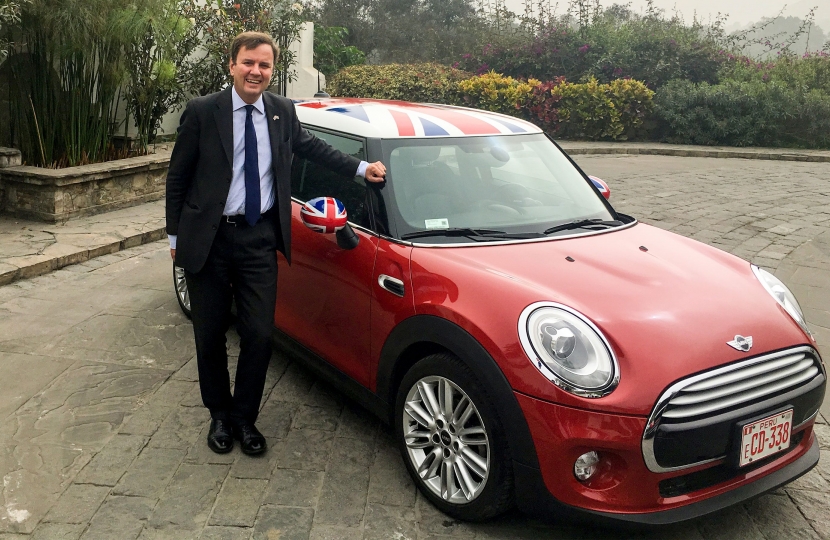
(531, 345)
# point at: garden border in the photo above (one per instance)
(677, 150)
(55, 195)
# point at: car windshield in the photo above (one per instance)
(513, 186)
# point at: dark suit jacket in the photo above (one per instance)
(199, 176)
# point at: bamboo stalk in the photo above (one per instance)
(37, 128)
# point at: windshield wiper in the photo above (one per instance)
(458, 231)
(582, 224)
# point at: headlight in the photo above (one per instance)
(568, 349)
(782, 295)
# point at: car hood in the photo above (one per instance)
(667, 305)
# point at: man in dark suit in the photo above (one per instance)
(228, 213)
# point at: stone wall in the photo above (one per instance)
(59, 194)
(9, 157)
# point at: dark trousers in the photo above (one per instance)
(242, 265)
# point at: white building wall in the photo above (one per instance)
(309, 80)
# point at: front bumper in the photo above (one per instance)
(624, 489)
(539, 501)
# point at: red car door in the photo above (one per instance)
(324, 296)
(393, 296)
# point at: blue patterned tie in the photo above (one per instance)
(252, 204)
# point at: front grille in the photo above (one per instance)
(694, 421)
(717, 392)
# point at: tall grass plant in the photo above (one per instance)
(67, 69)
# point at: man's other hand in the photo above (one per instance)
(376, 172)
(173, 254)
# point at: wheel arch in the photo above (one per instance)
(421, 335)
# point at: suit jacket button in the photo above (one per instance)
(213, 227)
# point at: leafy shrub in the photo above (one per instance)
(432, 83)
(616, 43)
(809, 72)
(403, 31)
(635, 101)
(744, 114)
(331, 53)
(652, 49)
(223, 20)
(602, 111)
(494, 92)
(542, 105)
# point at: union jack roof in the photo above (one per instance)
(398, 119)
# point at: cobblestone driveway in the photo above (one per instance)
(102, 429)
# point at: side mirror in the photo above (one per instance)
(327, 215)
(601, 186)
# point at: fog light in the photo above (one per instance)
(585, 466)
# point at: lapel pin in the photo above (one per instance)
(276, 117)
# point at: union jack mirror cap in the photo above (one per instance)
(324, 215)
(601, 186)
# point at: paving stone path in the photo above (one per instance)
(102, 429)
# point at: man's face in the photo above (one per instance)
(251, 71)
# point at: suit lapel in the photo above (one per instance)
(272, 118)
(224, 122)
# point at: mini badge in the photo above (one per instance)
(741, 343)
(276, 117)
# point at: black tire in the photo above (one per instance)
(493, 493)
(180, 288)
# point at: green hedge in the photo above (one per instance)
(495, 92)
(591, 110)
(733, 113)
(751, 113)
(595, 111)
(430, 83)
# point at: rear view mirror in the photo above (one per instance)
(601, 186)
(327, 215)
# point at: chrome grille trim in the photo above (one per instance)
(769, 366)
(689, 411)
(743, 373)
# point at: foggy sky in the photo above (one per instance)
(740, 11)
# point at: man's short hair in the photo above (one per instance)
(252, 40)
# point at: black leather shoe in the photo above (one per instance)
(252, 441)
(220, 436)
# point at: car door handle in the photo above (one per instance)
(393, 285)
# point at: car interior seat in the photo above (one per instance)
(428, 186)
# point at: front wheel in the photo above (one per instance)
(180, 286)
(452, 440)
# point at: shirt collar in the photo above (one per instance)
(238, 103)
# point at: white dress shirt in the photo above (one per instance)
(235, 203)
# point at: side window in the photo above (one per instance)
(310, 180)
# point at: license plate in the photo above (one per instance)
(765, 437)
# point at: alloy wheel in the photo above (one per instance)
(446, 439)
(181, 289)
